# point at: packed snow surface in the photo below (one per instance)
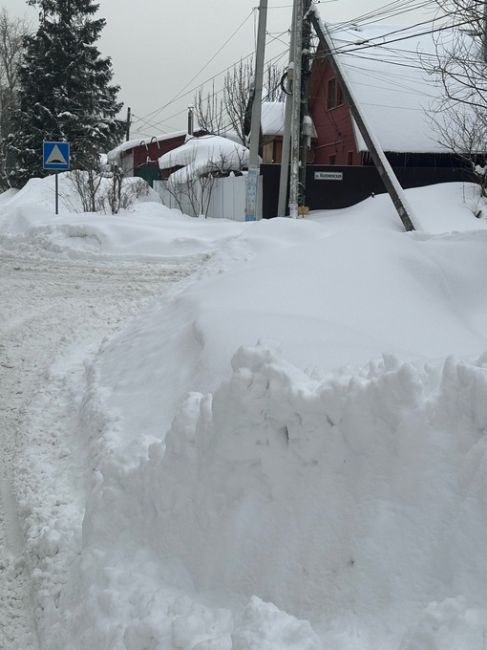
(289, 450)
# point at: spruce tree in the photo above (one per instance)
(65, 90)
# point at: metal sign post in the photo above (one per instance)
(56, 157)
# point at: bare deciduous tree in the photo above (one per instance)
(193, 193)
(106, 191)
(12, 32)
(460, 65)
(229, 110)
(210, 111)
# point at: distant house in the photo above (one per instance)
(140, 157)
(272, 131)
(394, 92)
(397, 98)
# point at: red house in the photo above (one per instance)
(140, 157)
(335, 143)
(396, 95)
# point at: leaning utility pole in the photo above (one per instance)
(254, 161)
(296, 110)
(286, 136)
(484, 33)
(384, 168)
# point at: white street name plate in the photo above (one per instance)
(328, 176)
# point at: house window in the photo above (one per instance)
(335, 94)
(339, 95)
(350, 158)
(332, 160)
(331, 100)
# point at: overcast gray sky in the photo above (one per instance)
(158, 46)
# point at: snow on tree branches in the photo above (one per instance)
(65, 90)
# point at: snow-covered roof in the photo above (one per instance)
(114, 154)
(389, 82)
(200, 156)
(272, 119)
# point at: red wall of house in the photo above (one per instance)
(154, 150)
(333, 126)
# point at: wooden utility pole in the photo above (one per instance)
(305, 142)
(296, 110)
(286, 136)
(384, 168)
(254, 161)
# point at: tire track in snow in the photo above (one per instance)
(54, 312)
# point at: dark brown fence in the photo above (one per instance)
(330, 187)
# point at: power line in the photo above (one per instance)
(401, 38)
(390, 9)
(181, 93)
(232, 35)
(215, 76)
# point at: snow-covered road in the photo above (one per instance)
(53, 316)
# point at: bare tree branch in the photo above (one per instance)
(230, 113)
(460, 116)
(12, 33)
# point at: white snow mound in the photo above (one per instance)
(203, 155)
(344, 501)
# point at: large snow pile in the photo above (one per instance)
(203, 155)
(290, 453)
(356, 502)
(28, 220)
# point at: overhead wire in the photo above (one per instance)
(227, 128)
(215, 76)
(220, 49)
(406, 5)
(390, 9)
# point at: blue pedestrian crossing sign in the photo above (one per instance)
(55, 155)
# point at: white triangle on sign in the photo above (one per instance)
(56, 157)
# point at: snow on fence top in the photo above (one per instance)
(203, 155)
(395, 92)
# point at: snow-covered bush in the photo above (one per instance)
(107, 192)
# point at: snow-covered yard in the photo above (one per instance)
(227, 436)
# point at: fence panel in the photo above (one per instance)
(222, 198)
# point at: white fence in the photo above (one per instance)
(220, 198)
